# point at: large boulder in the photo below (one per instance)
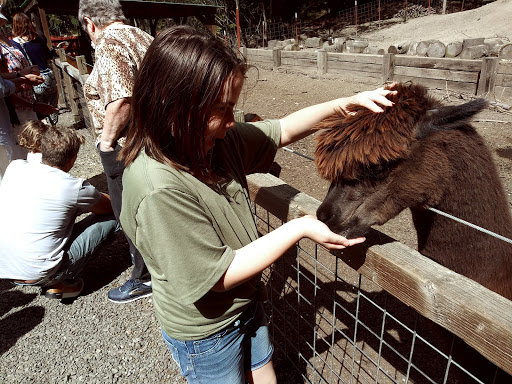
(313, 42)
(355, 46)
(291, 47)
(374, 51)
(436, 49)
(412, 48)
(422, 48)
(474, 52)
(494, 45)
(506, 52)
(453, 49)
(273, 44)
(466, 43)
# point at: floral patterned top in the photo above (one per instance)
(13, 60)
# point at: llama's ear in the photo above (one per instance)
(450, 117)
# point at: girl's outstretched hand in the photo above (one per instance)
(321, 234)
(372, 99)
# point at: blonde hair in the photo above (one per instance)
(30, 136)
(57, 145)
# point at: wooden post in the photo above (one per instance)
(276, 58)
(60, 88)
(70, 91)
(322, 61)
(81, 65)
(388, 64)
(44, 25)
(243, 52)
(62, 55)
(487, 78)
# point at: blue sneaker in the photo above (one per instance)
(130, 291)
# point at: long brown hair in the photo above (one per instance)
(22, 26)
(179, 81)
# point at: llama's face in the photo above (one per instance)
(380, 164)
(352, 207)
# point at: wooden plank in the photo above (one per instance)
(259, 59)
(322, 64)
(487, 77)
(60, 88)
(298, 55)
(438, 63)
(482, 318)
(505, 67)
(308, 64)
(439, 84)
(259, 52)
(44, 25)
(357, 67)
(355, 58)
(441, 74)
(504, 80)
(388, 67)
(355, 74)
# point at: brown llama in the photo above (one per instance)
(419, 154)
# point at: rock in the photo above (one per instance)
(356, 46)
(494, 45)
(291, 47)
(392, 49)
(474, 52)
(466, 43)
(272, 44)
(287, 42)
(403, 47)
(506, 52)
(374, 51)
(436, 49)
(453, 49)
(314, 42)
(422, 48)
(412, 49)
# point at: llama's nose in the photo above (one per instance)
(324, 214)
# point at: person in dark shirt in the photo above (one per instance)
(35, 49)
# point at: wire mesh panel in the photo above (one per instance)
(332, 325)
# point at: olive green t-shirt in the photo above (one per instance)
(187, 232)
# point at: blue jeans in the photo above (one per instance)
(87, 236)
(225, 356)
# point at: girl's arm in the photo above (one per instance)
(261, 253)
(300, 124)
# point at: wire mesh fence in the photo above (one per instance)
(385, 9)
(331, 324)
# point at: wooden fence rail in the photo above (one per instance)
(482, 318)
(489, 77)
(71, 74)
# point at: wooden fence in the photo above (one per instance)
(71, 74)
(490, 77)
(480, 317)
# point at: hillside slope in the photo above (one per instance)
(489, 21)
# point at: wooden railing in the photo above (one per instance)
(71, 74)
(482, 318)
(489, 77)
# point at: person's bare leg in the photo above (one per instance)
(263, 375)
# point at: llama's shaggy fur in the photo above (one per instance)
(419, 154)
